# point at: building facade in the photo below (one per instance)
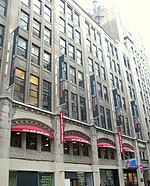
(105, 137)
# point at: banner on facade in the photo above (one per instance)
(14, 54)
(61, 127)
(130, 163)
(61, 80)
(120, 139)
(94, 97)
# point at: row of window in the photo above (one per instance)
(115, 82)
(113, 65)
(111, 49)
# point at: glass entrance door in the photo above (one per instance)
(73, 182)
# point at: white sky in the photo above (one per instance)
(135, 15)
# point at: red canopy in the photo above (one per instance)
(76, 138)
(31, 129)
(105, 145)
(127, 149)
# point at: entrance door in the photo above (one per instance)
(73, 182)
(130, 179)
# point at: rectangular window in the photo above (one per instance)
(46, 95)
(31, 141)
(98, 38)
(124, 59)
(116, 82)
(99, 89)
(26, 2)
(45, 143)
(118, 69)
(35, 54)
(102, 117)
(109, 61)
(65, 71)
(37, 6)
(19, 87)
(3, 5)
(130, 92)
(133, 94)
(89, 48)
(72, 75)
(66, 147)
(93, 34)
(62, 6)
(108, 119)
(127, 126)
(79, 57)
(121, 85)
(105, 93)
(76, 19)
(112, 79)
(83, 109)
(22, 47)
(1, 35)
(80, 79)
(69, 13)
(78, 37)
(107, 45)
(62, 25)
(112, 49)
(127, 75)
(131, 80)
(71, 51)
(66, 111)
(47, 36)
(100, 54)
(87, 28)
(15, 139)
(70, 32)
(103, 73)
(33, 95)
(114, 65)
(74, 106)
(116, 52)
(97, 70)
(24, 20)
(95, 50)
(47, 61)
(128, 64)
(85, 149)
(119, 101)
(91, 69)
(36, 28)
(47, 14)
(62, 46)
(76, 148)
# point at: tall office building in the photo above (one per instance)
(72, 99)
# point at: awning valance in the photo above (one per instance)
(106, 145)
(127, 149)
(31, 129)
(76, 138)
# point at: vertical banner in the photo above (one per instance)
(120, 139)
(61, 80)
(94, 97)
(135, 117)
(61, 127)
(14, 54)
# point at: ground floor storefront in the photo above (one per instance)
(130, 177)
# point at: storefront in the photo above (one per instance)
(130, 177)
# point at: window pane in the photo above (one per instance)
(24, 20)
(15, 139)
(33, 97)
(74, 105)
(31, 141)
(46, 95)
(83, 109)
(45, 143)
(47, 36)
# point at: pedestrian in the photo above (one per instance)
(148, 182)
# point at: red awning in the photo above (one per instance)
(31, 129)
(127, 149)
(76, 138)
(106, 145)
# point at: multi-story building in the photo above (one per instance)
(99, 143)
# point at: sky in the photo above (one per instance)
(134, 13)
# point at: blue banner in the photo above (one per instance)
(61, 80)
(94, 97)
(14, 54)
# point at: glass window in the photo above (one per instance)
(46, 95)
(1, 35)
(119, 101)
(93, 33)
(72, 75)
(47, 36)
(62, 6)
(98, 38)
(47, 14)
(127, 75)
(19, 87)
(105, 93)
(22, 47)
(47, 61)
(116, 52)
(76, 19)
(121, 85)
(116, 82)
(103, 73)
(124, 103)
(114, 65)
(78, 37)
(83, 109)
(89, 48)
(85, 149)
(112, 49)
(62, 25)
(91, 69)
(107, 45)
(130, 92)
(69, 12)
(112, 79)
(66, 111)
(127, 126)
(33, 95)
(31, 141)
(102, 117)
(79, 57)
(124, 59)
(35, 54)
(70, 32)
(99, 153)
(66, 147)
(118, 69)
(65, 71)
(100, 54)
(74, 106)
(99, 89)
(95, 50)
(97, 70)
(24, 20)
(105, 153)
(71, 51)
(75, 148)
(45, 143)
(62, 46)
(37, 6)
(36, 28)
(3, 5)
(131, 80)
(108, 119)
(26, 2)
(81, 79)
(15, 139)
(112, 154)
(87, 28)
(109, 61)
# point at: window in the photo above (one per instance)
(98, 38)
(76, 19)
(66, 111)
(78, 37)
(71, 51)
(22, 48)
(26, 2)
(62, 6)
(105, 93)
(99, 89)
(62, 25)
(131, 80)
(74, 106)
(72, 75)
(47, 61)
(116, 52)
(116, 82)
(36, 28)
(100, 55)
(46, 95)
(75, 148)
(33, 95)
(124, 103)
(65, 71)
(108, 119)
(112, 49)
(112, 154)
(79, 57)
(112, 79)
(127, 126)
(24, 20)
(89, 48)
(93, 34)
(119, 101)
(99, 153)
(47, 14)
(127, 75)
(107, 45)
(69, 12)
(121, 85)
(109, 61)
(83, 109)
(105, 153)
(37, 6)
(19, 85)
(45, 143)
(130, 92)
(114, 65)
(91, 69)
(15, 139)
(31, 141)
(97, 70)
(81, 79)
(85, 149)
(35, 54)
(118, 69)
(70, 32)
(87, 28)
(95, 50)
(62, 46)
(124, 59)
(47, 36)
(66, 147)
(103, 73)
(128, 64)
(3, 7)
(102, 117)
